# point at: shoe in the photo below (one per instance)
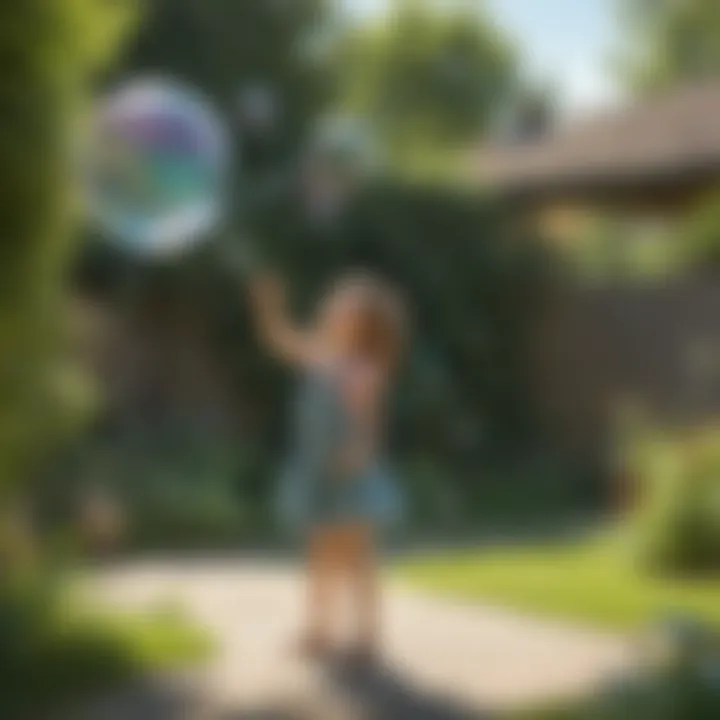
(363, 656)
(313, 648)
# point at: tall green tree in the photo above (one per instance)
(49, 49)
(669, 41)
(430, 78)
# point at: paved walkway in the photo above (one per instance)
(446, 660)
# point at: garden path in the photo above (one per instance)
(445, 660)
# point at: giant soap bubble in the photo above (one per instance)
(158, 167)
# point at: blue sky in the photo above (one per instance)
(567, 42)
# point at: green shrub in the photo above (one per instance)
(178, 513)
(432, 496)
(53, 649)
(51, 51)
(187, 497)
(676, 524)
(461, 403)
(700, 236)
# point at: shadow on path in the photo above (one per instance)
(345, 694)
(154, 699)
(383, 693)
(377, 693)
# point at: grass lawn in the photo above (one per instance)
(589, 582)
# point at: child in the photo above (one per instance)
(335, 486)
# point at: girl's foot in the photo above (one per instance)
(313, 648)
(363, 655)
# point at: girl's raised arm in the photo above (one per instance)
(276, 329)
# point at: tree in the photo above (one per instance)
(670, 41)
(429, 79)
(49, 49)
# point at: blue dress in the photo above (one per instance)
(311, 491)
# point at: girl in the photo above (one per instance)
(335, 487)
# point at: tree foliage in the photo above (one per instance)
(670, 41)
(429, 79)
(49, 49)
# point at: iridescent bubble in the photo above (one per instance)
(158, 167)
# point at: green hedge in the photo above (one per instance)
(54, 650)
(472, 277)
(676, 524)
(50, 49)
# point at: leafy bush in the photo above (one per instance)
(700, 236)
(676, 524)
(178, 513)
(41, 98)
(432, 496)
(472, 280)
(52, 649)
(185, 497)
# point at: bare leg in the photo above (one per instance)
(366, 586)
(320, 576)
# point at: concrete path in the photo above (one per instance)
(445, 660)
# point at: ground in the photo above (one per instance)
(445, 660)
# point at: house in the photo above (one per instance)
(658, 154)
(653, 343)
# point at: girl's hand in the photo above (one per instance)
(267, 294)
